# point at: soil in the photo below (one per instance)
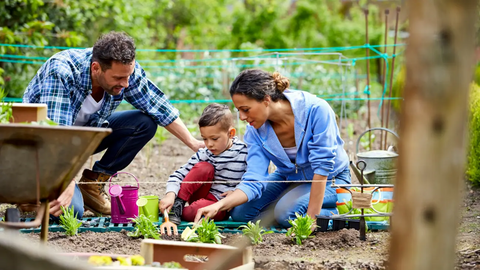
(330, 250)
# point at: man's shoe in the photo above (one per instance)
(175, 214)
(94, 196)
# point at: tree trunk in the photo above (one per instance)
(440, 59)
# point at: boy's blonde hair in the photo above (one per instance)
(216, 113)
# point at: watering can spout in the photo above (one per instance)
(358, 174)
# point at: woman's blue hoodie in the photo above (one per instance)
(319, 146)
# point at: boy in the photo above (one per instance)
(212, 173)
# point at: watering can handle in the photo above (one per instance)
(110, 180)
(368, 130)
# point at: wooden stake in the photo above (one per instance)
(440, 60)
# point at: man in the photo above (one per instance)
(83, 87)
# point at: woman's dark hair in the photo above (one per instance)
(114, 46)
(216, 113)
(256, 84)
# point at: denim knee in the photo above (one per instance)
(147, 125)
(241, 213)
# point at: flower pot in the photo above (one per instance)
(339, 224)
(353, 224)
(322, 223)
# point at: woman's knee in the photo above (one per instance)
(241, 214)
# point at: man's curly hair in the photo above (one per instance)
(114, 46)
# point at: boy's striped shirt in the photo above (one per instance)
(229, 166)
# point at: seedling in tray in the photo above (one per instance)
(69, 222)
(144, 227)
(206, 232)
(254, 231)
(301, 228)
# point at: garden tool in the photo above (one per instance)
(168, 226)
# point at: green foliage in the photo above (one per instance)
(69, 222)
(254, 231)
(473, 167)
(397, 87)
(172, 265)
(301, 228)
(144, 227)
(206, 232)
(5, 109)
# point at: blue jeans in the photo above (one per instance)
(131, 131)
(295, 199)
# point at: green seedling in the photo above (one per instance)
(254, 231)
(172, 265)
(206, 232)
(144, 227)
(301, 228)
(69, 222)
(5, 109)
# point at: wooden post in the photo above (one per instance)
(440, 60)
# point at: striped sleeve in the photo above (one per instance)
(173, 183)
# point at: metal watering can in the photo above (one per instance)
(123, 200)
(380, 163)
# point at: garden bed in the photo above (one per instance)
(329, 250)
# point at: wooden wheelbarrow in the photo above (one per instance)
(37, 163)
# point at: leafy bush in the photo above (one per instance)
(144, 227)
(254, 231)
(473, 167)
(301, 228)
(69, 222)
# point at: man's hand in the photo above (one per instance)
(167, 202)
(64, 200)
(207, 211)
(198, 144)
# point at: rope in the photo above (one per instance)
(215, 50)
(206, 182)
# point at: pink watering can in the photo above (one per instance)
(123, 201)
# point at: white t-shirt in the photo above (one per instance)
(89, 107)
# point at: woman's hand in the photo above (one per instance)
(207, 211)
(167, 202)
(225, 194)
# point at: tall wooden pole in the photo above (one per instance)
(440, 63)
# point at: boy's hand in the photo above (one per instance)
(225, 194)
(167, 202)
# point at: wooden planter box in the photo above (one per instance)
(84, 257)
(28, 112)
(166, 251)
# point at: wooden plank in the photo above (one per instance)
(440, 61)
(28, 112)
(166, 251)
(19, 254)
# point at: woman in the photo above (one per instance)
(297, 132)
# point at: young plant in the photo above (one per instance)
(254, 231)
(301, 228)
(174, 265)
(69, 222)
(5, 109)
(144, 227)
(206, 232)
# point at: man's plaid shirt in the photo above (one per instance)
(64, 82)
